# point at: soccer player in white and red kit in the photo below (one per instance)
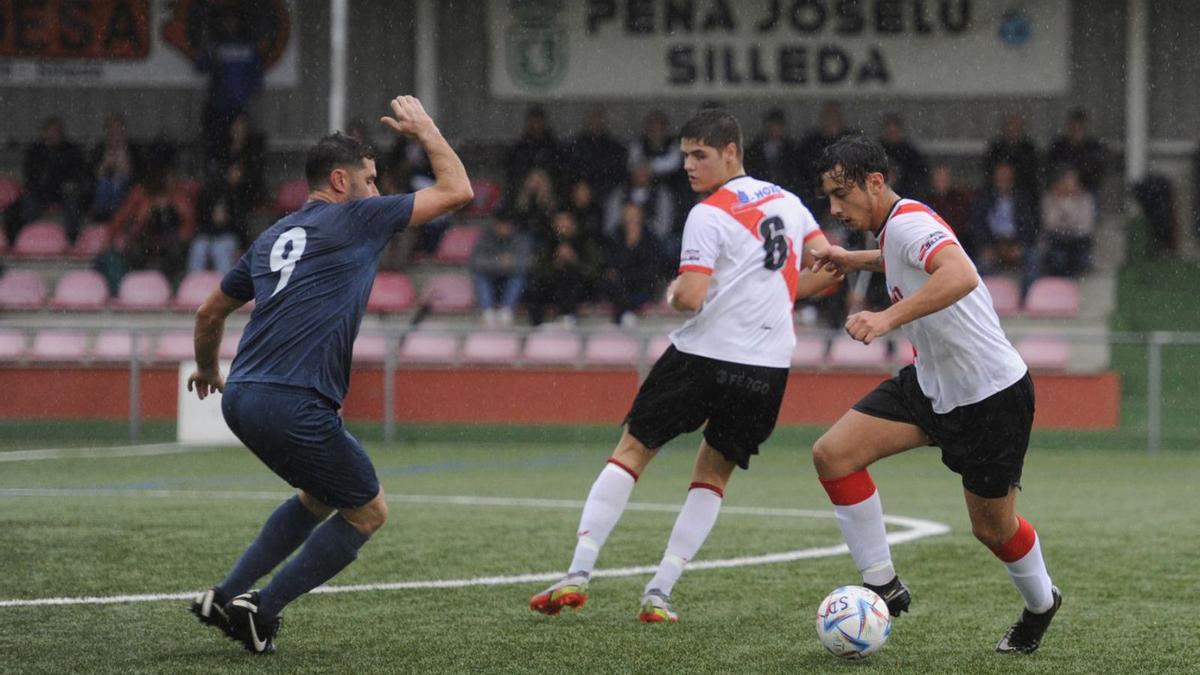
(740, 273)
(968, 392)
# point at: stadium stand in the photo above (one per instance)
(612, 348)
(902, 352)
(657, 346)
(429, 346)
(229, 345)
(10, 191)
(175, 346)
(92, 240)
(492, 348)
(457, 243)
(1045, 353)
(80, 290)
(291, 196)
(553, 346)
(12, 345)
(42, 239)
(370, 348)
(59, 345)
(22, 290)
(845, 352)
(809, 352)
(392, 292)
(487, 197)
(1056, 297)
(448, 293)
(116, 346)
(147, 290)
(194, 289)
(1006, 294)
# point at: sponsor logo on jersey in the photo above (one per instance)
(690, 255)
(929, 243)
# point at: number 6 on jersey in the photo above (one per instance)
(283, 259)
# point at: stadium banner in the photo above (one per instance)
(133, 43)
(679, 48)
(201, 422)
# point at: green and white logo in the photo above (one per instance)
(536, 44)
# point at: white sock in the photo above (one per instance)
(605, 504)
(695, 521)
(859, 514)
(1028, 572)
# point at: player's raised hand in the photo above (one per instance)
(206, 383)
(831, 259)
(867, 326)
(409, 117)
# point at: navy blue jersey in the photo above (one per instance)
(309, 275)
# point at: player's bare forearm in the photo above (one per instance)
(946, 286)
(867, 261)
(448, 171)
(811, 283)
(207, 340)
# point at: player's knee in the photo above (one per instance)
(989, 535)
(824, 456)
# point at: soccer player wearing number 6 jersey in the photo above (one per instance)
(968, 392)
(309, 275)
(740, 273)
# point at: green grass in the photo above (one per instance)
(1117, 530)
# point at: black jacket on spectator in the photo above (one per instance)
(1022, 155)
(1025, 215)
(913, 170)
(531, 152)
(597, 158)
(773, 161)
(47, 168)
(1087, 158)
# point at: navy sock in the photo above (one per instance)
(332, 547)
(284, 531)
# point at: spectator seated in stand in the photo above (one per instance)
(1014, 148)
(655, 199)
(534, 205)
(1080, 150)
(952, 201)
(56, 175)
(1068, 226)
(772, 155)
(910, 170)
(221, 222)
(1004, 222)
(246, 148)
(564, 273)
(537, 148)
(156, 223)
(116, 167)
(499, 269)
(594, 154)
(633, 267)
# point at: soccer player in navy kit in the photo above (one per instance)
(310, 275)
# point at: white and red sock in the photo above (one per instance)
(695, 521)
(859, 514)
(1022, 557)
(603, 508)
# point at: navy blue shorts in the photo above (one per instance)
(299, 435)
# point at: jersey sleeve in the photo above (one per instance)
(920, 239)
(702, 239)
(808, 225)
(238, 283)
(383, 216)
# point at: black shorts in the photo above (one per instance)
(984, 442)
(740, 402)
(299, 435)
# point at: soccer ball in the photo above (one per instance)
(853, 622)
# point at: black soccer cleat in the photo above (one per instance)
(895, 594)
(1025, 636)
(209, 608)
(248, 627)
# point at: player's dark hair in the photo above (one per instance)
(855, 156)
(714, 128)
(333, 151)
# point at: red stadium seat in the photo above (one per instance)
(612, 349)
(22, 289)
(40, 240)
(229, 345)
(116, 345)
(291, 196)
(1053, 297)
(810, 351)
(491, 347)
(429, 346)
(1045, 353)
(10, 191)
(147, 290)
(457, 243)
(84, 290)
(12, 345)
(195, 289)
(392, 292)
(448, 292)
(175, 345)
(1006, 294)
(553, 346)
(846, 352)
(91, 242)
(487, 197)
(59, 345)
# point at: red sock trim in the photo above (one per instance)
(1020, 543)
(619, 465)
(708, 486)
(851, 489)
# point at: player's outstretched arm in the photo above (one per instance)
(210, 327)
(452, 188)
(834, 258)
(815, 278)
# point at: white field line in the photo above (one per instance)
(916, 529)
(103, 452)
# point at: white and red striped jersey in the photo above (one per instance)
(962, 354)
(748, 235)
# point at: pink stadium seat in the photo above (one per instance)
(84, 290)
(40, 240)
(846, 352)
(145, 290)
(175, 345)
(195, 289)
(370, 348)
(1053, 297)
(553, 346)
(656, 348)
(491, 347)
(291, 196)
(457, 243)
(810, 351)
(487, 197)
(392, 292)
(448, 292)
(612, 349)
(115, 345)
(22, 289)
(12, 345)
(429, 346)
(59, 345)
(902, 352)
(10, 191)
(91, 242)
(229, 345)
(1006, 294)
(1045, 353)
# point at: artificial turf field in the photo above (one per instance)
(1118, 529)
